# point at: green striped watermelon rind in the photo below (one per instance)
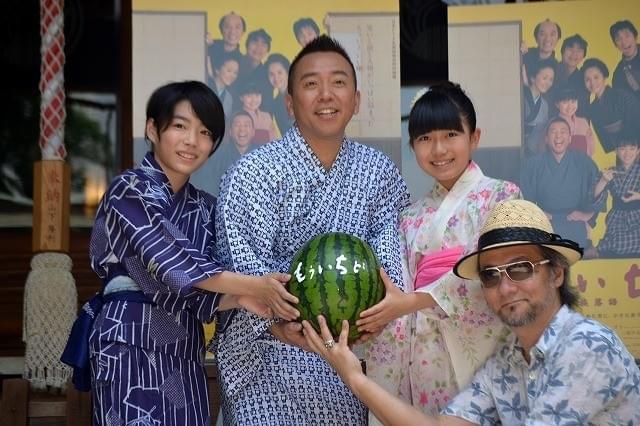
(323, 292)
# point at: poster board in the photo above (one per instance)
(372, 40)
(609, 288)
(485, 59)
(166, 46)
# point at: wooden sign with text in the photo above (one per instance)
(51, 179)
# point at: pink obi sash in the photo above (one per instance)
(434, 265)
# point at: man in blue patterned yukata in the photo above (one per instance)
(558, 368)
(312, 181)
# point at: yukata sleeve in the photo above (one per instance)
(588, 134)
(450, 292)
(595, 204)
(245, 228)
(155, 253)
(391, 198)
(529, 181)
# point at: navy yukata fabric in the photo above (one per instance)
(147, 358)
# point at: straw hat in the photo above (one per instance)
(514, 223)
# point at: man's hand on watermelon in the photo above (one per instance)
(290, 333)
(394, 305)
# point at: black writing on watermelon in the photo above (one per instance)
(336, 275)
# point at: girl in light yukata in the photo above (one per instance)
(441, 330)
(151, 245)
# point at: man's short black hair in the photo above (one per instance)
(622, 25)
(536, 30)
(323, 43)
(221, 21)
(257, 34)
(573, 40)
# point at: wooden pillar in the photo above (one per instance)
(51, 206)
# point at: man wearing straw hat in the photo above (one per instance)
(559, 367)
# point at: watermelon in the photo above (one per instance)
(336, 275)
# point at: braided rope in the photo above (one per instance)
(52, 103)
(50, 300)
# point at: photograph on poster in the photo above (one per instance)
(579, 155)
(247, 55)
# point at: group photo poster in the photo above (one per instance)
(243, 52)
(578, 94)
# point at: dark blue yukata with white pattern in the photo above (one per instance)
(147, 358)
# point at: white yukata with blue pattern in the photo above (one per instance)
(580, 373)
(271, 202)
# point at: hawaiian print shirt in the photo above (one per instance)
(580, 373)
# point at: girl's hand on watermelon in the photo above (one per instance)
(274, 294)
(340, 356)
(394, 305)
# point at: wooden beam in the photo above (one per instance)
(13, 409)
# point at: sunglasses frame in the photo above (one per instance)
(502, 269)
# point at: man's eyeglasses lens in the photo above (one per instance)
(517, 272)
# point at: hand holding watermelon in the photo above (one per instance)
(273, 293)
(395, 304)
(339, 356)
(335, 275)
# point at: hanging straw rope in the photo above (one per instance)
(50, 296)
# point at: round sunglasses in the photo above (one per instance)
(516, 272)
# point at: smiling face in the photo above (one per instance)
(445, 154)
(558, 138)
(567, 107)
(628, 155)
(228, 72)
(251, 101)
(183, 146)
(595, 81)
(257, 49)
(532, 301)
(323, 97)
(278, 77)
(625, 41)
(242, 131)
(547, 37)
(572, 56)
(232, 30)
(543, 80)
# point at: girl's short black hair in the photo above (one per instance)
(205, 104)
(565, 93)
(444, 106)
